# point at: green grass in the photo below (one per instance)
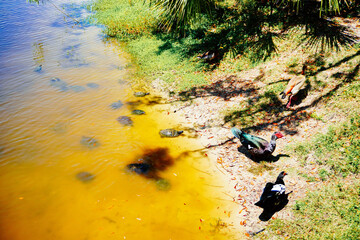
(332, 212)
(338, 149)
(169, 65)
(125, 19)
(259, 169)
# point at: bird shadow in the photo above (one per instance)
(270, 158)
(270, 211)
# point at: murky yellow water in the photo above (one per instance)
(41, 152)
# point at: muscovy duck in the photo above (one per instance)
(256, 146)
(274, 197)
(296, 84)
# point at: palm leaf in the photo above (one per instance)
(179, 13)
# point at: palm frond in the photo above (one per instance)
(325, 34)
(179, 13)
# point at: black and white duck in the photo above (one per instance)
(274, 197)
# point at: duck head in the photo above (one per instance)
(277, 135)
(304, 69)
(282, 174)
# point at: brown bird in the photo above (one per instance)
(296, 84)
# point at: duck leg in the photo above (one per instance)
(289, 103)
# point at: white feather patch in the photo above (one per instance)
(278, 188)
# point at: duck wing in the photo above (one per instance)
(296, 83)
(266, 194)
(252, 141)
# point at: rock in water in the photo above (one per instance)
(92, 85)
(125, 120)
(85, 176)
(77, 88)
(116, 105)
(89, 142)
(38, 68)
(60, 84)
(138, 112)
(170, 133)
(163, 184)
(60, 127)
(141, 94)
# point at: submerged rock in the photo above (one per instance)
(60, 127)
(163, 184)
(92, 85)
(125, 120)
(89, 142)
(118, 67)
(60, 84)
(141, 94)
(134, 103)
(138, 112)
(38, 68)
(116, 105)
(77, 88)
(122, 82)
(85, 176)
(170, 133)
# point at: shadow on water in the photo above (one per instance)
(151, 162)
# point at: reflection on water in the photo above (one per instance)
(64, 155)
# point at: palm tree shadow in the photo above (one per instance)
(270, 158)
(270, 211)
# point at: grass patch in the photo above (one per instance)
(125, 19)
(168, 64)
(332, 212)
(260, 168)
(338, 149)
(317, 116)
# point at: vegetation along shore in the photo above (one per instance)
(261, 67)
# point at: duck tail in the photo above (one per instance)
(237, 133)
(259, 204)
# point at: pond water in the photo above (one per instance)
(63, 154)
